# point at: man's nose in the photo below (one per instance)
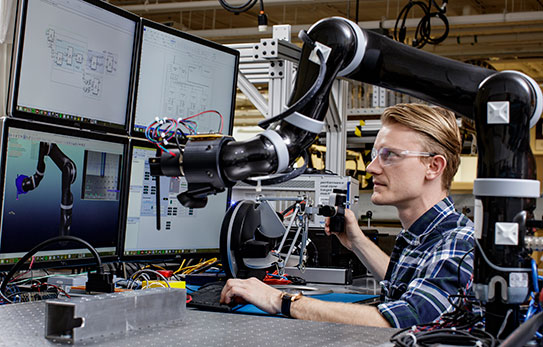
(374, 166)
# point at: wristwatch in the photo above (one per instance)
(286, 300)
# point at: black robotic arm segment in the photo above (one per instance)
(438, 80)
(503, 107)
(254, 157)
(69, 174)
(507, 105)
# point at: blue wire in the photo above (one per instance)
(535, 276)
(531, 310)
(533, 307)
(193, 289)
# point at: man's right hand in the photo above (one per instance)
(352, 235)
(252, 291)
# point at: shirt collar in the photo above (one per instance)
(423, 226)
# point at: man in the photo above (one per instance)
(414, 159)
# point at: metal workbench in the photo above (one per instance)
(24, 325)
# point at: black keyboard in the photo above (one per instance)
(207, 298)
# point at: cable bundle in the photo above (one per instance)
(162, 130)
(424, 28)
(240, 8)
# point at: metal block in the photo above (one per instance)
(322, 275)
(276, 49)
(89, 317)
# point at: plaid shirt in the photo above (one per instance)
(424, 266)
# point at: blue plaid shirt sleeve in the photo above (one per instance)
(431, 261)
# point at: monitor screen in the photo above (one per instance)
(73, 63)
(56, 183)
(179, 230)
(181, 76)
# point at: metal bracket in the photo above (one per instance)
(276, 49)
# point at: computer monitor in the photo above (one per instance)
(180, 231)
(54, 181)
(180, 75)
(73, 61)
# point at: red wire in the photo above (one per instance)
(27, 271)
(208, 111)
(60, 290)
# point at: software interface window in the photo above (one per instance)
(68, 68)
(55, 185)
(179, 78)
(182, 230)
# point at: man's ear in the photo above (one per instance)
(436, 166)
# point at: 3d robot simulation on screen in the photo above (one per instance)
(68, 169)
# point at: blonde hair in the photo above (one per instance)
(438, 129)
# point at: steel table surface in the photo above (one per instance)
(24, 325)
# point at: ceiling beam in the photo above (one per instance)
(212, 4)
(488, 19)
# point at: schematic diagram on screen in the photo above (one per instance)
(187, 87)
(74, 64)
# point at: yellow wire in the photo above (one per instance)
(189, 269)
(180, 266)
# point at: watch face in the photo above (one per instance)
(292, 296)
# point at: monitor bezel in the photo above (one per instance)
(15, 72)
(157, 26)
(7, 123)
(134, 142)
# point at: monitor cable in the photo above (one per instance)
(262, 18)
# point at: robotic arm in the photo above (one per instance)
(504, 105)
(67, 167)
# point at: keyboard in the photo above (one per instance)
(207, 298)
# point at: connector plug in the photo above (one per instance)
(262, 21)
(99, 282)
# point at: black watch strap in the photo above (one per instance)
(286, 301)
(285, 304)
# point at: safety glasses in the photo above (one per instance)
(389, 156)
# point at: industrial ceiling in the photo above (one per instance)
(506, 34)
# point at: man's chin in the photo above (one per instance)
(376, 199)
